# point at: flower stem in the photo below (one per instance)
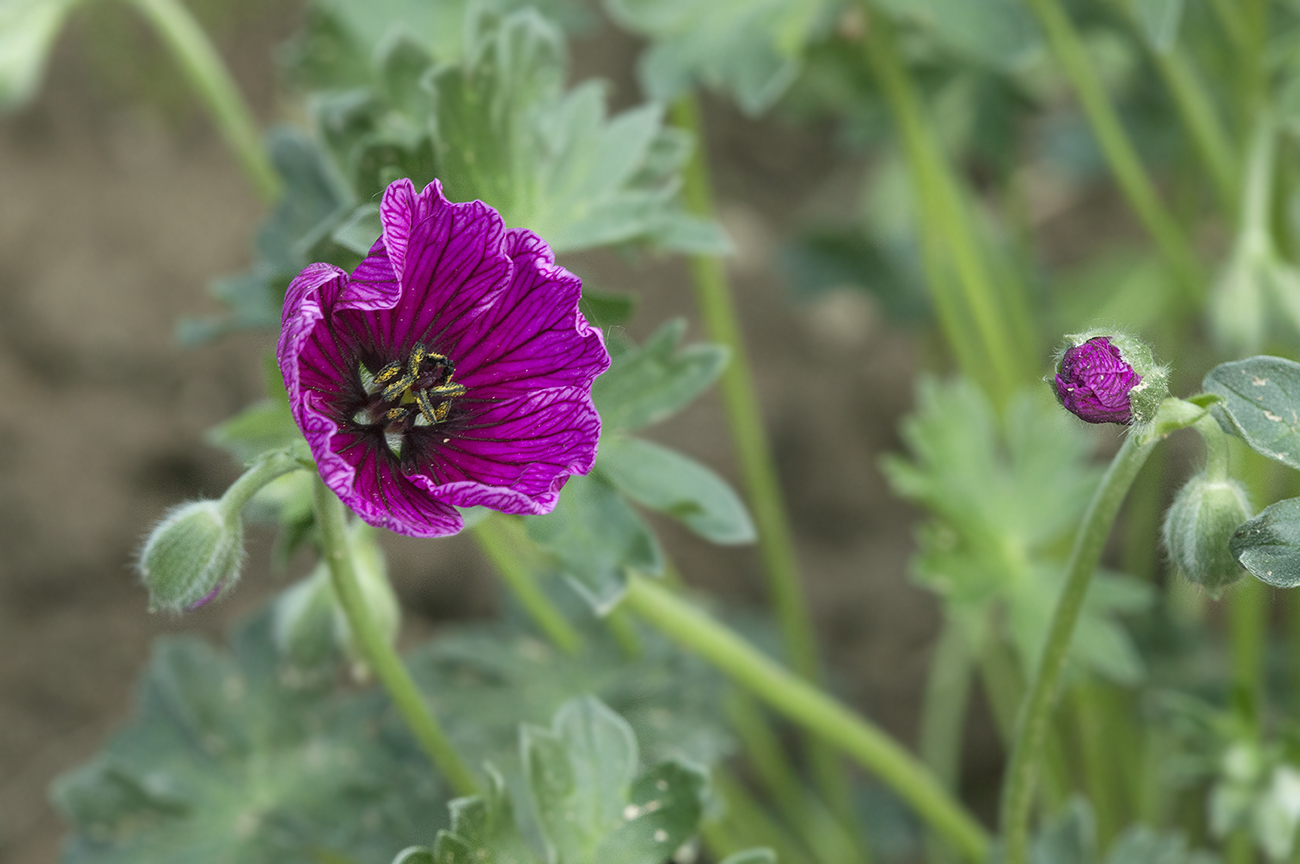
(495, 538)
(811, 708)
(746, 419)
(1036, 712)
(753, 453)
(1201, 120)
(266, 468)
(380, 655)
(1115, 144)
(957, 269)
(209, 76)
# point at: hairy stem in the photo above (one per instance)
(502, 545)
(811, 708)
(209, 76)
(1036, 712)
(379, 655)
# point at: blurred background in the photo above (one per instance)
(119, 203)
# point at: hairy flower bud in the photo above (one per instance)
(1198, 526)
(304, 621)
(1110, 378)
(193, 555)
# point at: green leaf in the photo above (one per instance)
(483, 830)
(505, 131)
(1005, 497)
(751, 856)
(1141, 845)
(27, 30)
(294, 234)
(227, 761)
(1069, 838)
(597, 539)
(998, 33)
(1269, 545)
(361, 230)
(1158, 21)
(590, 805)
(263, 426)
(751, 48)
(1261, 400)
(580, 773)
(605, 309)
(648, 384)
(667, 481)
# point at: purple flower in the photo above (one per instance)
(1093, 382)
(451, 368)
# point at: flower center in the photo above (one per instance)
(406, 396)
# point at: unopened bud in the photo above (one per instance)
(1110, 378)
(1198, 527)
(381, 601)
(304, 621)
(194, 555)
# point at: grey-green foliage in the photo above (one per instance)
(665, 480)
(591, 801)
(1269, 545)
(1261, 404)
(1005, 497)
(594, 534)
(751, 48)
(495, 121)
(652, 382)
(236, 758)
(598, 540)
(1070, 838)
(27, 30)
(997, 33)
(227, 762)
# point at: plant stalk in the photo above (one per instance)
(1132, 177)
(811, 708)
(379, 655)
(502, 549)
(1036, 712)
(211, 79)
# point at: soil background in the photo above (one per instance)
(118, 203)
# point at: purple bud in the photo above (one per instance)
(1093, 382)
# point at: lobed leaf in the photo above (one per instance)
(597, 538)
(1269, 545)
(671, 483)
(648, 384)
(1261, 402)
(749, 48)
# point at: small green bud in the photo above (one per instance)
(372, 575)
(1198, 526)
(193, 555)
(304, 621)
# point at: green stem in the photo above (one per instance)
(1115, 144)
(948, 234)
(263, 471)
(1247, 624)
(1036, 713)
(1202, 121)
(209, 76)
(745, 418)
(947, 692)
(754, 454)
(817, 827)
(503, 550)
(811, 708)
(379, 655)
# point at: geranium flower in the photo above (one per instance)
(452, 368)
(1094, 380)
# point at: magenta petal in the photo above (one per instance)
(451, 368)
